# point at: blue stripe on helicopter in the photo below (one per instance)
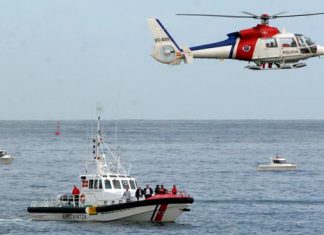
(164, 29)
(230, 41)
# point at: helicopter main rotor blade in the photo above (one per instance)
(227, 16)
(299, 15)
(279, 13)
(250, 14)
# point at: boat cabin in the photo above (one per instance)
(279, 160)
(104, 189)
(3, 153)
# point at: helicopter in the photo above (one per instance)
(263, 45)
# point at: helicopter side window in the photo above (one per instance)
(301, 42)
(271, 43)
(288, 42)
(309, 41)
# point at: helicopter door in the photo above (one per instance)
(289, 47)
(269, 48)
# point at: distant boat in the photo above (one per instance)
(278, 163)
(5, 158)
(57, 132)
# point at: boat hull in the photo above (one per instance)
(6, 160)
(279, 167)
(158, 210)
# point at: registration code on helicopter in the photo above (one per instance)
(162, 39)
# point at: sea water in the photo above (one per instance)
(214, 161)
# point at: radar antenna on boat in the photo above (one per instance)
(115, 165)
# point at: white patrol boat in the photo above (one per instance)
(278, 163)
(5, 158)
(101, 195)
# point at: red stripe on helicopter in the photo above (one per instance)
(160, 213)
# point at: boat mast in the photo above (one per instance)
(98, 152)
(114, 164)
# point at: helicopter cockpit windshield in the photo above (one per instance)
(306, 44)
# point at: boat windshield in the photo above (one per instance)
(2, 153)
(279, 161)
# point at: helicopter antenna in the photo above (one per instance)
(263, 17)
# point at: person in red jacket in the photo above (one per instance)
(174, 189)
(75, 194)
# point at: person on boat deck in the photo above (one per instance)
(174, 189)
(157, 189)
(127, 195)
(139, 193)
(148, 191)
(162, 190)
(75, 194)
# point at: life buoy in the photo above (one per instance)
(82, 198)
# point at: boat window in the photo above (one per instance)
(132, 184)
(112, 175)
(90, 184)
(125, 184)
(136, 184)
(107, 184)
(116, 184)
(279, 161)
(288, 42)
(271, 43)
(84, 182)
(100, 184)
(95, 184)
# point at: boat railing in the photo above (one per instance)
(72, 202)
(183, 194)
(179, 194)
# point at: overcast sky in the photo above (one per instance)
(59, 58)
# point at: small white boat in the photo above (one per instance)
(101, 194)
(5, 158)
(277, 163)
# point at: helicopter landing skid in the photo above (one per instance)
(276, 67)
